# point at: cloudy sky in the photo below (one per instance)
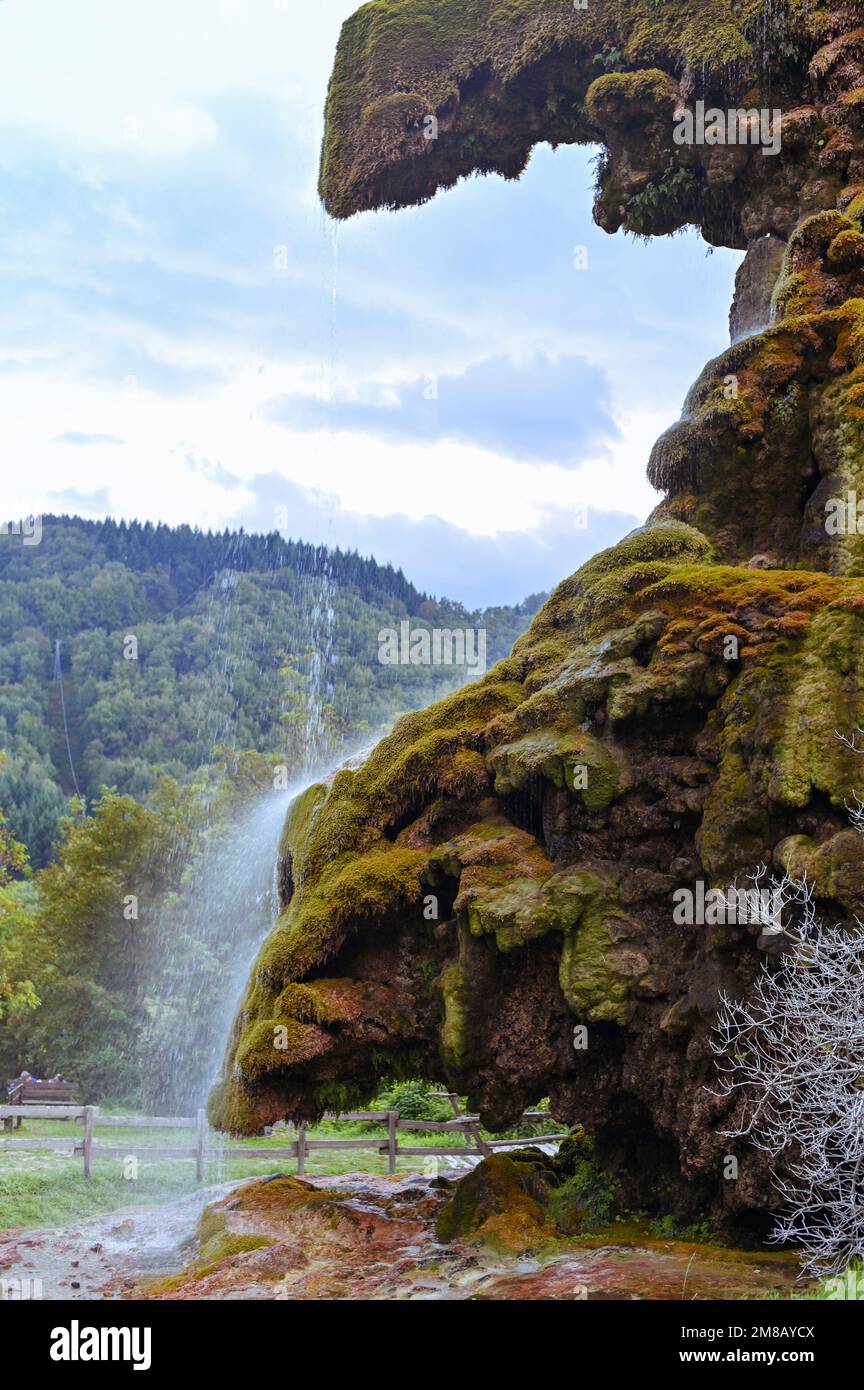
(187, 337)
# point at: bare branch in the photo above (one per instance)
(792, 1056)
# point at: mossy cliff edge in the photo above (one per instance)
(501, 870)
(548, 812)
(425, 92)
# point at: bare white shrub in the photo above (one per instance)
(854, 741)
(792, 1054)
(856, 814)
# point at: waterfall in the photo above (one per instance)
(209, 934)
(210, 929)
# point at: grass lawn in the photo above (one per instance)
(48, 1188)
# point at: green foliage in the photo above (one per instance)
(663, 203)
(16, 988)
(35, 805)
(17, 963)
(13, 855)
(92, 948)
(585, 1198)
(668, 1228)
(610, 60)
(86, 952)
(581, 1203)
(414, 1101)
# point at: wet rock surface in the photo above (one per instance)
(101, 1257)
(549, 813)
(360, 1237)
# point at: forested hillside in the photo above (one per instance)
(192, 666)
(176, 646)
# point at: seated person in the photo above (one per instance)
(23, 1080)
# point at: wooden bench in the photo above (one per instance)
(41, 1093)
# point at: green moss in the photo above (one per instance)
(231, 1108)
(599, 973)
(775, 737)
(406, 770)
(624, 96)
(270, 1043)
(855, 208)
(797, 293)
(357, 887)
(455, 1042)
(331, 1001)
(478, 68)
(847, 249)
(659, 540)
(822, 698)
(524, 1199)
(297, 830)
(833, 868)
(519, 910)
(575, 760)
(816, 233)
(498, 1204)
(217, 1243)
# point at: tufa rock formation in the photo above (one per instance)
(626, 748)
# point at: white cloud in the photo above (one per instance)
(154, 154)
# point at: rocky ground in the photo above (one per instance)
(360, 1237)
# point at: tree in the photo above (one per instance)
(16, 990)
(85, 940)
(793, 1055)
(35, 807)
(17, 965)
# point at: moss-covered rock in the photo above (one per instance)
(584, 765)
(425, 92)
(216, 1243)
(465, 926)
(499, 1204)
(525, 1199)
(600, 971)
(491, 894)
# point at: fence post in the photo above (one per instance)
(482, 1147)
(200, 1145)
(301, 1149)
(392, 1126)
(88, 1140)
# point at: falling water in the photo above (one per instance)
(211, 928)
(212, 931)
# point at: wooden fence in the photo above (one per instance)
(89, 1147)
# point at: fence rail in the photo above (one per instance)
(299, 1149)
